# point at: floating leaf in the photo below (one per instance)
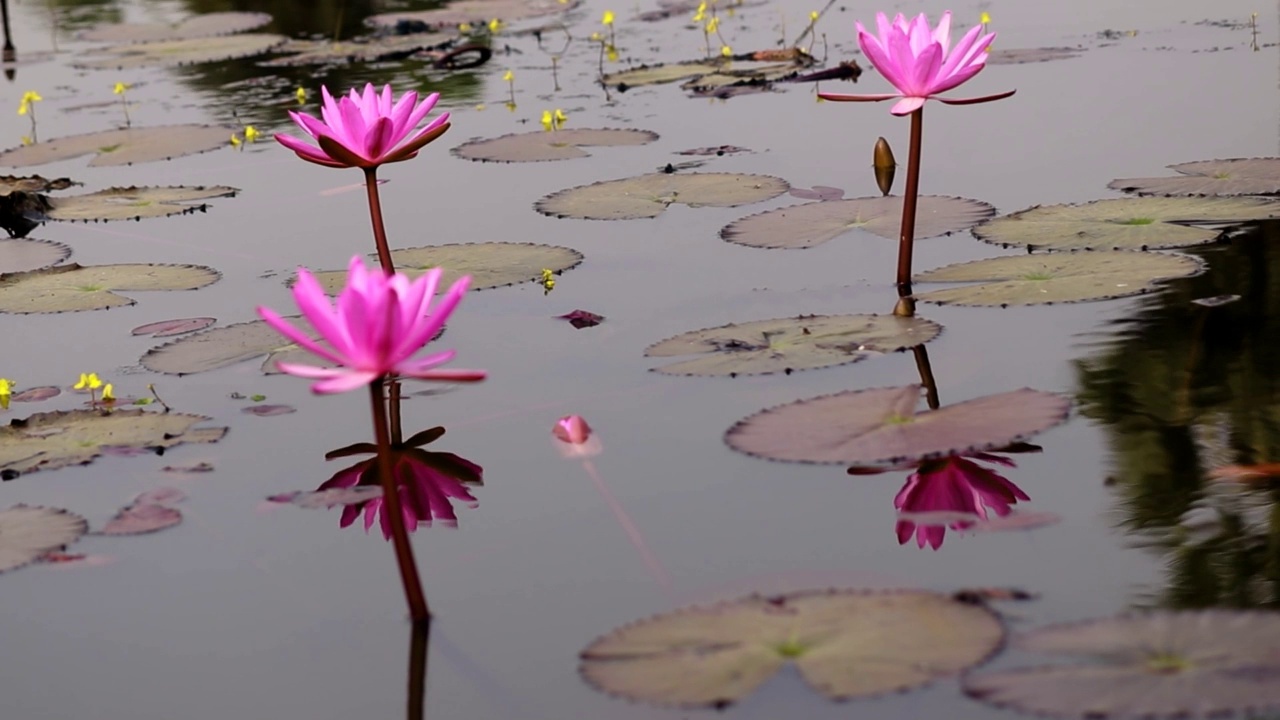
(172, 53)
(323, 499)
(141, 518)
(804, 226)
(490, 265)
(32, 184)
(844, 643)
(789, 344)
(134, 203)
(1235, 176)
(122, 147)
(1124, 223)
(582, 319)
(1161, 664)
(48, 441)
(200, 467)
(1056, 277)
(740, 80)
(324, 52)
(1022, 56)
(472, 11)
(718, 150)
(226, 346)
(27, 533)
(37, 394)
(819, 192)
(541, 145)
(268, 410)
(169, 328)
(1215, 301)
(72, 288)
(664, 73)
(647, 196)
(26, 255)
(197, 26)
(880, 426)
(160, 496)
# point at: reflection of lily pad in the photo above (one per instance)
(48, 441)
(1056, 277)
(197, 26)
(844, 643)
(1022, 56)
(122, 147)
(170, 53)
(226, 346)
(323, 52)
(1125, 223)
(881, 426)
(788, 344)
(25, 255)
(490, 265)
(647, 196)
(72, 288)
(804, 226)
(558, 145)
(27, 532)
(32, 184)
(1162, 664)
(475, 11)
(134, 203)
(332, 497)
(1237, 176)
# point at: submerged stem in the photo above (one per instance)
(391, 506)
(419, 639)
(375, 214)
(907, 237)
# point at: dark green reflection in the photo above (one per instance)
(1182, 389)
(65, 16)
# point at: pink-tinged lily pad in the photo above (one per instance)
(648, 196)
(27, 533)
(37, 394)
(582, 319)
(542, 146)
(138, 519)
(24, 255)
(817, 192)
(169, 328)
(1235, 176)
(811, 224)
(881, 426)
(196, 26)
(126, 146)
(268, 410)
(226, 346)
(323, 499)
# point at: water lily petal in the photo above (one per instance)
(429, 133)
(907, 105)
(350, 380)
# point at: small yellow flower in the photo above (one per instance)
(548, 122)
(301, 95)
(611, 53)
(26, 140)
(88, 381)
(107, 393)
(813, 16)
(509, 77)
(607, 19)
(480, 107)
(464, 27)
(6, 389)
(712, 25)
(726, 51)
(121, 87)
(235, 140)
(985, 18)
(495, 25)
(251, 133)
(701, 14)
(596, 37)
(511, 106)
(28, 97)
(560, 117)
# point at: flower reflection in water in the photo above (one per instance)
(953, 492)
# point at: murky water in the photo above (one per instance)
(243, 614)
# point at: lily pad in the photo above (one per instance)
(475, 11)
(1022, 56)
(789, 344)
(27, 533)
(197, 26)
(52, 440)
(32, 184)
(541, 145)
(844, 643)
(1056, 278)
(647, 196)
(37, 394)
(1236, 176)
(1160, 664)
(134, 203)
(1147, 223)
(490, 265)
(73, 288)
(25, 255)
(143, 515)
(268, 410)
(332, 497)
(226, 346)
(122, 147)
(664, 73)
(880, 426)
(326, 52)
(172, 53)
(811, 224)
(169, 328)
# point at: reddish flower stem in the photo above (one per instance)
(418, 609)
(397, 432)
(926, 376)
(419, 639)
(375, 213)
(907, 237)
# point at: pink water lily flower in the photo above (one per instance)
(953, 486)
(374, 329)
(366, 129)
(920, 61)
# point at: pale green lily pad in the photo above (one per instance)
(475, 11)
(1160, 664)
(26, 533)
(659, 74)
(326, 52)
(880, 426)
(134, 203)
(805, 226)
(52, 440)
(647, 196)
(541, 146)
(1220, 178)
(172, 53)
(123, 147)
(1144, 223)
(789, 344)
(231, 345)
(25, 255)
(1042, 278)
(490, 265)
(197, 26)
(73, 288)
(844, 643)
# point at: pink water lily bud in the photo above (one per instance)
(574, 437)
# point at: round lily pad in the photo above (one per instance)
(72, 288)
(804, 226)
(326, 52)
(490, 265)
(789, 344)
(647, 196)
(197, 26)
(542, 145)
(1144, 223)
(1160, 664)
(52, 440)
(1236, 176)
(28, 532)
(844, 643)
(171, 53)
(169, 328)
(122, 147)
(881, 426)
(1022, 56)
(475, 11)
(1041, 278)
(25, 255)
(663, 73)
(134, 203)
(226, 346)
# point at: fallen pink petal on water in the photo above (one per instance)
(37, 394)
(60, 560)
(582, 319)
(169, 328)
(140, 519)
